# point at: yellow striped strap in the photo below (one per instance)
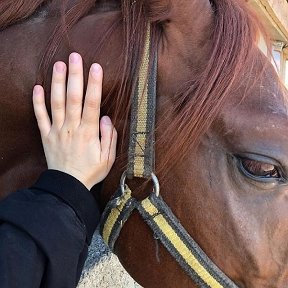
(180, 244)
(141, 144)
(171, 233)
(115, 215)
(153, 209)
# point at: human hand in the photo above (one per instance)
(71, 143)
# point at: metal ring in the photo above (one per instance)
(154, 178)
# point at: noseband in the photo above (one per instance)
(155, 212)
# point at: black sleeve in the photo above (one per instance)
(45, 232)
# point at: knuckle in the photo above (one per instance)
(92, 103)
(75, 98)
(57, 105)
(59, 79)
(75, 71)
(111, 160)
(87, 135)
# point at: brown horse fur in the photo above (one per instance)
(219, 104)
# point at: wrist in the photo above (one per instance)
(77, 175)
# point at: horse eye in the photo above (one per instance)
(259, 169)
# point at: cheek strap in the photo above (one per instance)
(167, 228)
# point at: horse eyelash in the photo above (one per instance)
(246, 173)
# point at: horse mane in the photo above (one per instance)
(12, 11)
(234, 34)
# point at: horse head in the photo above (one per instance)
(220, 149)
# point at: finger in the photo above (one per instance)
(58, 94)
(108, 140)
(40, 111)
(91, 111)
(74, 91)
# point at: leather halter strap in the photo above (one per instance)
(155, 212)
(141, 161)
(167, 228)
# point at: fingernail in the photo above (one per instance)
(95, 69)
(37, 89)
(59, 67)
(74, 58)
(106, 120)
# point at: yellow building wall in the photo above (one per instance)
(280, 9)
(274, 14)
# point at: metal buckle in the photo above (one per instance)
(154, 178)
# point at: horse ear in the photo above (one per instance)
(191, 17)
(171, 10)
(187, 29)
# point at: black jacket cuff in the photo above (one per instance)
(73, 193)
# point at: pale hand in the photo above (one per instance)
(71, 143)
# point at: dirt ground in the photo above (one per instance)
(102, 269)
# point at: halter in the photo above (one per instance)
(155, 212)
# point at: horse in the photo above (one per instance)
(221, 123)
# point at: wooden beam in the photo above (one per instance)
(275, 14)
